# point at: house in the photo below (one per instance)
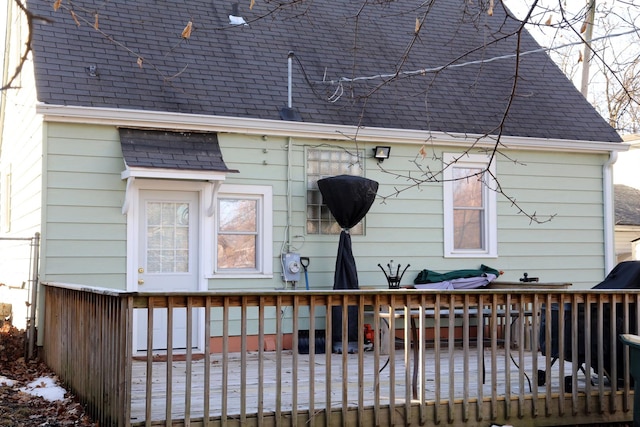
(627, 201)
(166, 146)
(627, 230)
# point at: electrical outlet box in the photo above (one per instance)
(291, 267)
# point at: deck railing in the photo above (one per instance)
(458, 357)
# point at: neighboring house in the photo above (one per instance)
(153, 159)
(627, 201)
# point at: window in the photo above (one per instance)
(243, 230)
(324, 164)
(470, 228)
(167, 237)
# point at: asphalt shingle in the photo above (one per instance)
(172, 150)
(242, 71)
(627, 203)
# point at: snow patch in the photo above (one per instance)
(6, 381)
(237, 20)
(46, 388)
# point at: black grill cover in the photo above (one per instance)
(625, 275)
(349, 198)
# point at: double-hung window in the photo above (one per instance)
(470, 218)
(243, 230)
(324, 164)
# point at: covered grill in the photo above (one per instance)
(625, 275)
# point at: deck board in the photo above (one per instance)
(433, 383)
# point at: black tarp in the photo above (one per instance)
(625, 275)
(349, 198)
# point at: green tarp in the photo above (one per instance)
(429, 276)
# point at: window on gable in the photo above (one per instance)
(324, 164)
(470, 223)
(243, 230)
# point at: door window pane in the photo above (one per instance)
(167, 237)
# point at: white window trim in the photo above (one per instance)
(264, 194)
(207, 225)
(134, 186)
(490, 220)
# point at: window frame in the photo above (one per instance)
(489, 230)
(264, 245)
(356, 231)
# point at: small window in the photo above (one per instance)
(243, 230)
(324, 164)
(470, 224)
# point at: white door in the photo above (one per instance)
(167, 261)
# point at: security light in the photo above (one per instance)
(381, 153)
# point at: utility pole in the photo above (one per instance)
(591, 12)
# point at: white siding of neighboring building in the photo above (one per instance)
(625, 172)
(21, 166)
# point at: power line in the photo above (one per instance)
(464, 64)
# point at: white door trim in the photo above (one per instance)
(133, 227)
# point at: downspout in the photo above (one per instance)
(609, 212)
(289, 198)
(289, 151)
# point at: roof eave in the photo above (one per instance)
(306, 130)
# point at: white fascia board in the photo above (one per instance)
(303, 130)
(158, 173)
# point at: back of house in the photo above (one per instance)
(177, 145)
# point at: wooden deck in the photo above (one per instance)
(243, 396)
(490, 376)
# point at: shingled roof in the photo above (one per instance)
(241, 70)
(627, 205)
(172, 150)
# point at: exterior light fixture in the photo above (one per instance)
(381, 153)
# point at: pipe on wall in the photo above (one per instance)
(609, 213)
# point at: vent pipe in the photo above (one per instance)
(289, 82)
(288, 112)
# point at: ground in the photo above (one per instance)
(19, 409)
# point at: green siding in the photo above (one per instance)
(86, 231)
(408, 228)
